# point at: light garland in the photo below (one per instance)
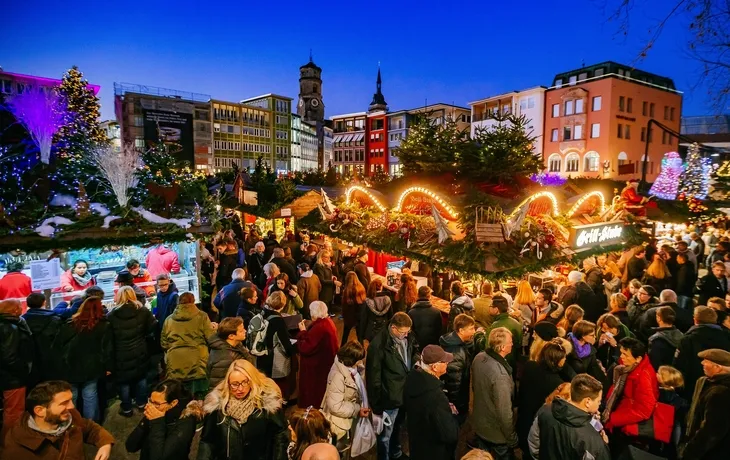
(357, 188)
(534, 197)
(583, 199)
(449, 210)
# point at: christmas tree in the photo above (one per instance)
(695, 182)
(666, 185)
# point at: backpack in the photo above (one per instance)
(256, 335)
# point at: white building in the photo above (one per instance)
(528, 102)
(304, 145)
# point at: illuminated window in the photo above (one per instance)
(554, 163)
(591, 161)
(572, 162)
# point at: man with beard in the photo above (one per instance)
(52, 428)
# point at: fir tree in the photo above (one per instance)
(432, 148)
(696, 178)
(665, 186)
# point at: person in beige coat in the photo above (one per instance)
(343, 399)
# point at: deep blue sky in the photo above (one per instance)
(443, 51)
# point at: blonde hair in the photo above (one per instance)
(276, 301)
(658, 269)
(321, 254)
(525, 294)
(258, 381)
(669, 378)
(537, 345)
(126, 295)
(477, 454)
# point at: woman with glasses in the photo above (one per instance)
(645, 299)
(583, 359)
(244, 418)
(167, 429)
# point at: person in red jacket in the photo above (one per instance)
(162, 260)
(140, 276)
(634, 393)
(317, 347)
(77, 278)
(16, 284)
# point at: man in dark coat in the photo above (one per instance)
(664, 341)
(256, 261)
(226, 346)
(228, 299)
(564, 429)
(44, 325)
(646, 322)
(637, 265)
(579, 293)
(432, 428)
(391, 355)
(226, 261)
(713, 284)
(705, 334)
(361, 268)
(284, 266)
(460, 343)
(427, 325)
(16, 361)
(708, 426)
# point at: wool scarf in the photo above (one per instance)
(82, 280)
(240, 409)
(620, 374)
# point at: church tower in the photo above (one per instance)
(310, 105)
(378, 103)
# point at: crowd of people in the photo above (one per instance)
(630, 354)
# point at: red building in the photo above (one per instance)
(377, 133)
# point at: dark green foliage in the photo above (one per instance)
(432, 148)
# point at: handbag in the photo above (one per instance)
(282, 363)
(658, 427)
(364, 438)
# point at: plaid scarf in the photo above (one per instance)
(240, 409)
(620, 374)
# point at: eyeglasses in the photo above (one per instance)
(238, 385)
(643, 293)
(163, 284)
(156, 404)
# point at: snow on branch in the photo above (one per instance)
(42, 112)
(119, 168)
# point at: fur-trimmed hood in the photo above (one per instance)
(194, 409)
(271, 400)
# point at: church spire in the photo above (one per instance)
(310, 55)
(378, 102)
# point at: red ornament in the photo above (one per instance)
(392, 227)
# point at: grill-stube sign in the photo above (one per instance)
(584, 237)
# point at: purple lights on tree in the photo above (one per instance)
(42, 111)
(548, 180)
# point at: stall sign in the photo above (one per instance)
(584, 237)
(285, 212)
(45, 274)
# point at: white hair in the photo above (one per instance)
(498, 338)
(260, 244)
(238, 274)
(318, 310)
(271, 270)
(668, 295)
(575, 276)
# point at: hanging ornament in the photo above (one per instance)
(392, 227)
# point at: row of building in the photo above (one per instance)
(598, 121)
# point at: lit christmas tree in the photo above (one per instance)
(666, 185)
(695, 181)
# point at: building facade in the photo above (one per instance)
(328, 142)
(597, 122)
(304, 145)
(310, 104)
(113, 133)
(529, 103)
(349, 143)
(148, 115)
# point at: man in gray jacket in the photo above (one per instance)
(492, 417)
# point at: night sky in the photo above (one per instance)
(435, 51)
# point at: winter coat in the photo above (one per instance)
(553, 316)
(708, 425)
(68, 280)
(492, 417)
(647, 321)
(636, 309)
(582, 295)
(587, 364)
(432, 429)
(662, 346)
(709, 286)
(362, 272)
(342, 399)
(327, 292)
(222, 354)
(540, 381)
(386, 371)
(227, 262)
(685, 280)
(286, 267)
(263, 436)
(699, 338)
(594, 279)
(308, 288)
(635, 268)
(16, 349)
(25, 443)
(15, 285)
(86, 355)
(481, 311)
(277, 327)
(461, 304)
(131, 327)
(256, 262)
(162, 261)
(228, 298)
(168, 437)
(426, 323)
(659, 284)
(608, 355)
(47, 361)
(166, 303)
(142, 277)
(317, 347)
(562, 431)
(638, 400)
(458, 372)
(375, 317)
(506, 321)
(184, 339)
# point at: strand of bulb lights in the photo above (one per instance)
(366, 192)
(534, 197)
(449, 210)
(583, 199)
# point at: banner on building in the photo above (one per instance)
(171, 123)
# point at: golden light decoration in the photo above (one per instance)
(534, 197)
(357, 188)
(583, 199)
(449, 210)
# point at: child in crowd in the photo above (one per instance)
(670, 381)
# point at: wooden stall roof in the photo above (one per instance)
(301, 206)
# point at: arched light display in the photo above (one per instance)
(583, 199)
(366, 192)
(527, 201)
(450, 212)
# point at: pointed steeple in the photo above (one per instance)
(310, 56)
(378, 102)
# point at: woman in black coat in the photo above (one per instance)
(376, 313)
(244, 418)
(167, 429)
(323, 270)
(540, 378)
(132, 326)
(277, 328)
(583, 359)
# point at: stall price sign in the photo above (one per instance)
(45, 274)
(584, 237)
